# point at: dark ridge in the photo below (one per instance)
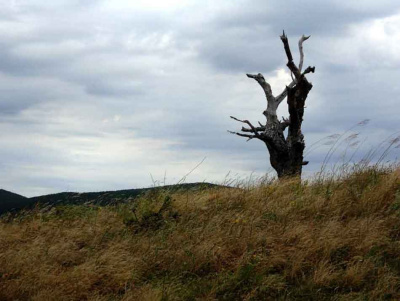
(10, 201)
(97, 198)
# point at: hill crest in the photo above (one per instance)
(10, 201)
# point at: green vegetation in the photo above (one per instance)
(328, 239)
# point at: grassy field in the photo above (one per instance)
(332, 239)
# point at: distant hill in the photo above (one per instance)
(12, 202)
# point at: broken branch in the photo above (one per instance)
(286, 46)
(302, 39)
(266, 86)
(243, 135)
(290, 63)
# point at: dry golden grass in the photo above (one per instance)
(328, 240)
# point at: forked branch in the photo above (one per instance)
(252, 128)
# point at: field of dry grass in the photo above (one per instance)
(326, 240)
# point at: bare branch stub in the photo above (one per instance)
(309, 69)
(286, 153)
(284, 123)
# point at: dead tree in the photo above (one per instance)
(286, 153)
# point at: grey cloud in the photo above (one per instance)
(241, 50)
(18, 94)
(244, 34)
(112, 89)
(19, 66)
(305, 17)
(77, 77)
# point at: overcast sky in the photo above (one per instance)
(106, 95)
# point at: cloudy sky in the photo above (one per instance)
(106, 95)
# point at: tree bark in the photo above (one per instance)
(286, 153)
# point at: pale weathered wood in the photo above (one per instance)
(301, 41)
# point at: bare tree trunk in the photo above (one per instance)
(286, 153)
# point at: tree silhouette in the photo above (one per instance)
(286, 153)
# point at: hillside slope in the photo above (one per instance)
(13, 202)
(10, 201)
(328, 240)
